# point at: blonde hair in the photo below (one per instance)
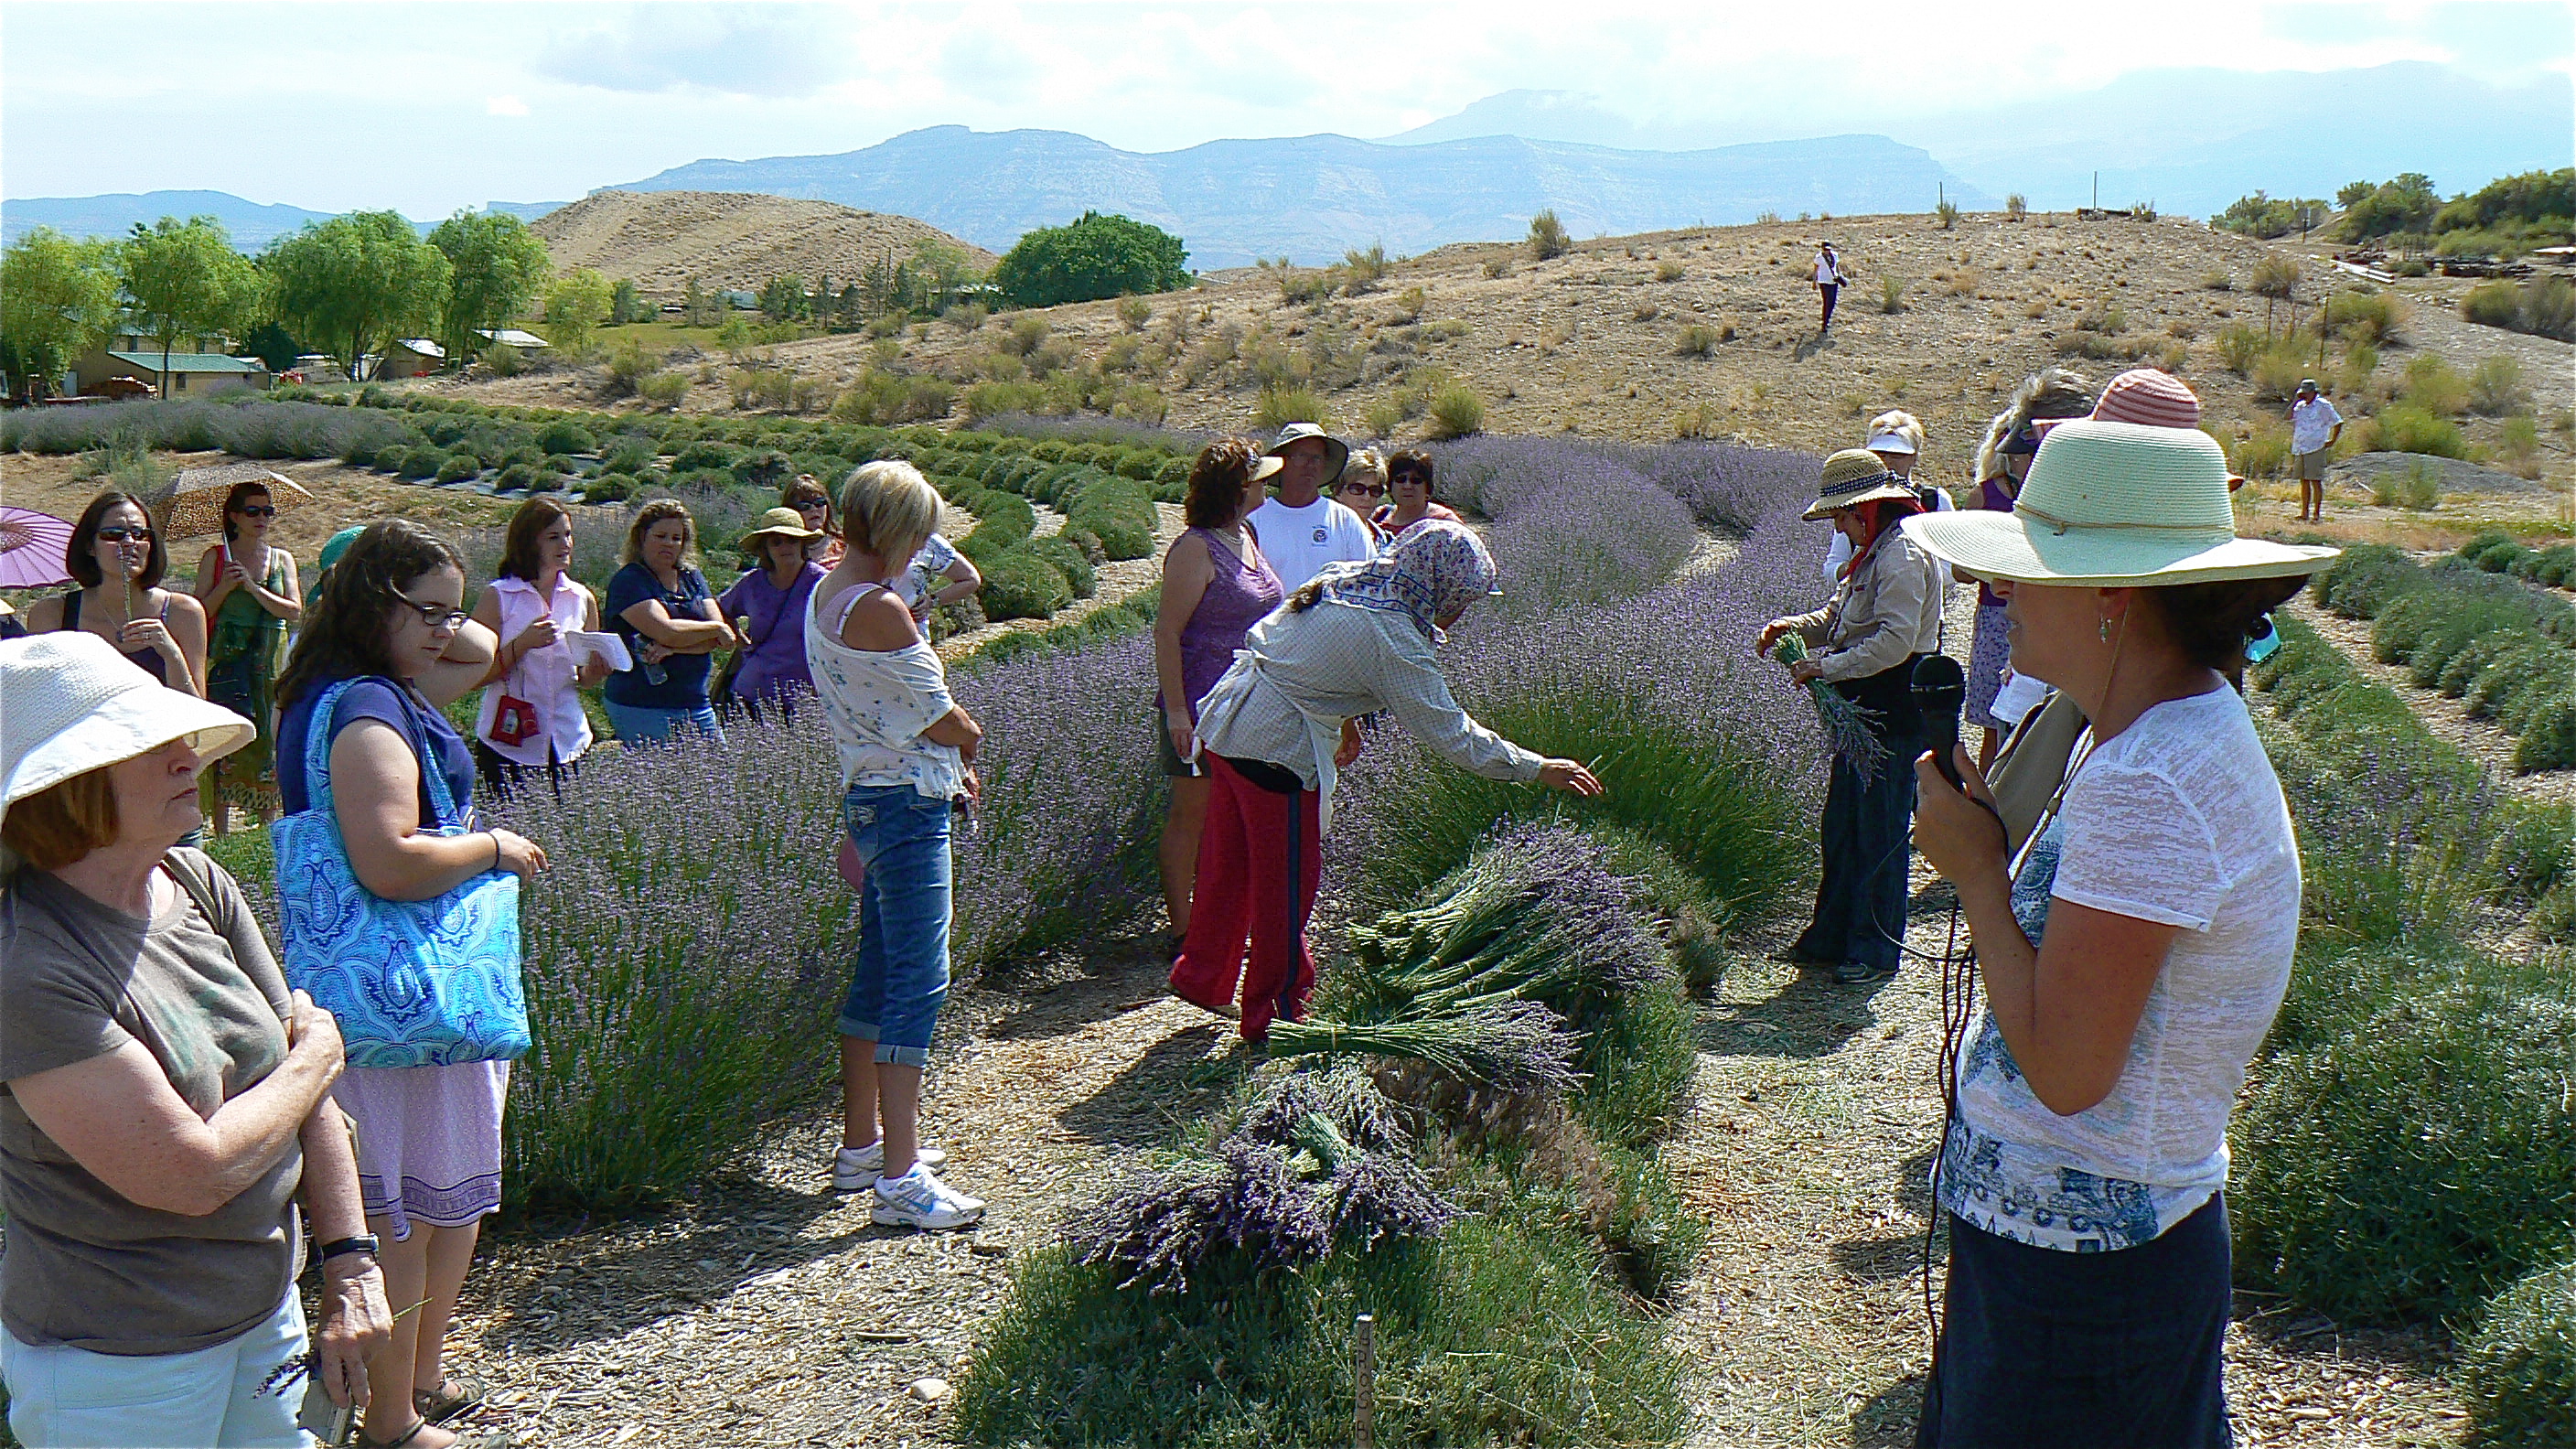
(1366, 463)
(887, 502)
(1904, 424)
(655, 512)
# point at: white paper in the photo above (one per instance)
(602, 646)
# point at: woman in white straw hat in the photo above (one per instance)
(1883, 618)
(2133, 955)
(167, 1099)
(767, 606)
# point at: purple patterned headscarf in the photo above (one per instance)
(1436, 569)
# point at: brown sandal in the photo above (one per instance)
(485, 1439)
(454, 1395)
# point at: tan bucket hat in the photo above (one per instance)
(1855, 476)
(2115, 505)
(1339, 452)
(76, 705)
(785, 521)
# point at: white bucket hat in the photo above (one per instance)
(70, 704)
(2115, 505)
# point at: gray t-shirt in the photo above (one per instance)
(78, 979)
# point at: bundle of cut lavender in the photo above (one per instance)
(1846, 724)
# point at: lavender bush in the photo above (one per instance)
(1119, 432)
(244, 429)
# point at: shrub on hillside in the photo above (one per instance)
(2365, 314)
(2518, 1371)
(1547, 236)
(565, 436)
(2406, 428)
(457, 467)
(1280, 406)
(1093, 257)
(1456, 412)
(2495, 387)
(1117, 511)
(2545, 307)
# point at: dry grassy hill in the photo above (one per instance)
(1714, 332)
(660, 239)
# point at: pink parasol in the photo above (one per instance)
(31, 549)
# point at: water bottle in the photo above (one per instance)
(654, 673)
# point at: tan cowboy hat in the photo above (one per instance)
(2115, 505)
(76, 705)
(785, 521)
(1854, 476)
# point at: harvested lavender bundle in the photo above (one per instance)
(1846, 724)
(1162, 1224)
(1342, 1096)
(1514, 1045)
(1380, 1195)
(1535, 913)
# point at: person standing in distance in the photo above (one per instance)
(1301, 530)
(2314, 426)
(1828, 277)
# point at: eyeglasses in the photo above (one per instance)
(118, 533)
(1409, 475)
(436, 616)
(1374, 490)
(256, 510)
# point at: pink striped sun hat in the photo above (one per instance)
(2148, 398)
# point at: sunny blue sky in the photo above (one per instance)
(427, 107)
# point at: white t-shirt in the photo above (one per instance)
(1829, 272)
(2311, 423)
(926, 576)
(1300, 541)
(2178, 820)
(1838, 552)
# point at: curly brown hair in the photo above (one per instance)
(1217, 482)
(346, 632)
(655, 512)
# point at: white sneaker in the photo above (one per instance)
(918, 1199)
(853, 1168)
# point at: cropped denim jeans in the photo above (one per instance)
(639, 725)
(902, 977)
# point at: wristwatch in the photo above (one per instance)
(362, 1243)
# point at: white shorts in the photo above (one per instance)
(70, 1398)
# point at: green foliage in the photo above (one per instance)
(57, 301)
(2545, 306)
(2495, 388)
(1096, 256)
(1021, 585)
(782, 299)
(665, 390)
(576, 305)
(458, 467)
(496, 268)
(2408, 428)
(2518, 1371)
(1456, 412)
(354, 283)
(1891, 292)
(1280, 406)
(563, 435)
(884, 398)
(1548, 239)
(2542, 199)
(1696, 339)
(1002, 520)
(2405, 204)
(609, 488)
(1117, 511)
(183, 279)
(1069, 560)
(2264, 217)
(2365, 314)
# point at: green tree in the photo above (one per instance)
(782, 299)
(576, 303)
(356, 282)
(183, 279)
(496, 269)
(626, 305)
(57, 301)
(1094, 257)
(699, 307)
(2403, 204)
(273, 345)
(2352, 192)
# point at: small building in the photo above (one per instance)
(512, 337)
(411, 357)
(187, 374)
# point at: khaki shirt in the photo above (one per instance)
(1887, 609)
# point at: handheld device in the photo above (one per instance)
(1940, 687)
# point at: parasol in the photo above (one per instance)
(193, 503)
(31, 549)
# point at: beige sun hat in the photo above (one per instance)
(73, 705)
(785, 521)
(2115, 505)
(1855, 476)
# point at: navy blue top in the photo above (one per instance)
(685, 675)
(374, 697)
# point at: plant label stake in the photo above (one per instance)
(1363, 1377)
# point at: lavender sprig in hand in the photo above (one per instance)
(1846, 724)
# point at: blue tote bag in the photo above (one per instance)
(414, 983)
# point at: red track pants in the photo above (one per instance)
(1245, 855)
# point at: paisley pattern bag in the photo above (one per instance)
(414, 983)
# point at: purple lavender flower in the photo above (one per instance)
(1160, 1225)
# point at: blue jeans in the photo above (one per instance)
(902, 974)
(62, 1397)
(642, 725)
(2111, 1349)
(1860, 906)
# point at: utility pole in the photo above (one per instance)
(2097, 191)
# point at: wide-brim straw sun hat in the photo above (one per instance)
(1855, 476)
(786, 521)
(73, 705)
(2115, 505)
(1300, 432)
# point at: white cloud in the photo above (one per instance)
(504, 106)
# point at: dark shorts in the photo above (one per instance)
(1170, 759)
(2312, 466)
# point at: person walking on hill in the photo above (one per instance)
(531, 716)
(249, 593)
(1276, 730)
(1883, 619)
(2314, 427)
(1827, 275)
(2131, 956)
(907, 755)
(1216, 585)
(1300, 529)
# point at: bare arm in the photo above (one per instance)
(460, 668)
(288, 606)
(217, 576)
(1187, 571)
(122, 1121)
(355, 1318)
(2068, 1008)
(963, 580)
(680, 636)
(186, 621)
(375, 792)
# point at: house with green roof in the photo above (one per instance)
(201, 370)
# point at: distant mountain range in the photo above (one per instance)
(2191, 141)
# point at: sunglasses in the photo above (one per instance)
(1374, 490)
(435, 616)
(1411, 475)
(118, 533)
(256, 510)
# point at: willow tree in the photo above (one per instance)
(183, 279)
(356, 282)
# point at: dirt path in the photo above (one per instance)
(2484, 740)
(1118, 581)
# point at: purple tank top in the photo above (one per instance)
(1239, 596)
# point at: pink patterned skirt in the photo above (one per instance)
(429, 1141)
